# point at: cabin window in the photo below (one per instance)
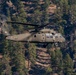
(43, 37)
(34, 35)
(47, 35)
(39, 33)
(56, 36)
(51, 36)
(42, 34)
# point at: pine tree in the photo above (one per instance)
(7, 65)
(56, 61)
(20, 17)
(68, 65)
(36, 18)
(19, 59)
(16, 51)
(32, 53)
(6, 57)
(45, 16)
(59, 61)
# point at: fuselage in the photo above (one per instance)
(37, 37)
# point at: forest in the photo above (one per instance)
(22, 58)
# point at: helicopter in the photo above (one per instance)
(39, 35)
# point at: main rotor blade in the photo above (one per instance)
(48, 24)
(13, 22)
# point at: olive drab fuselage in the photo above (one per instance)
(37, 37)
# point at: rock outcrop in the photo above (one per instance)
(43, 58)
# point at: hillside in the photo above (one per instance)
(22, 58)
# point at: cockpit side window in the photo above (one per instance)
(60, 36)
(51, 36)
(56, 36)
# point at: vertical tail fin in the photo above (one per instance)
(5, 32)
(3, 29)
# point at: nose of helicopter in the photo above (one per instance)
(63, 39)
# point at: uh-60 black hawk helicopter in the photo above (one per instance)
(39, 35)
